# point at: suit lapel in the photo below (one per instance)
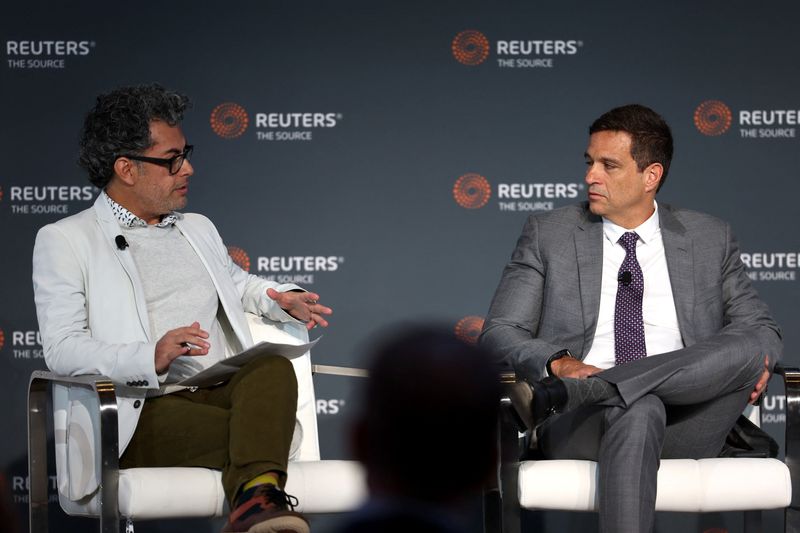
(110, 227)
(231, 304)
(589, 253)
(680, 265)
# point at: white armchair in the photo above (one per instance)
(684, 485)
(153, 493)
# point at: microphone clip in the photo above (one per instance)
(121, 242)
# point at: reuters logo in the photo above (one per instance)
(229, 120)
(712, 118)
(472, 191)
(468, 328)
(239, 257)
(470, 47)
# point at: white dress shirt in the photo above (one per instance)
(661, 332)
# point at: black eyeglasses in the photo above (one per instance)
(173, 163)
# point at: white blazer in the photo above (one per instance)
(93, 317)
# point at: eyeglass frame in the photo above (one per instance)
(165, 161)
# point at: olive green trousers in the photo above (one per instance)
(243, 427)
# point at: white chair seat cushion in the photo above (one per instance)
(327, 486)
(152, 493)
(147, 493)
(684, 485)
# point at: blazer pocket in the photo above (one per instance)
(708, 312)
(708, 293)
(561, 312)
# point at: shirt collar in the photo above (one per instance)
(127, 219)
(647, 230)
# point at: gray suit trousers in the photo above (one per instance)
(675, 405)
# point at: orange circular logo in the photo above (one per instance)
(229, 120)
(712, 118)
(239, 257)
(468, 328)
(470, 47)
(2, 339)
(472, 191)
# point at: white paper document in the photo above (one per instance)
(228, 367)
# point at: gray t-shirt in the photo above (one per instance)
(178, 291)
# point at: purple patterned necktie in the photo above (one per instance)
(628, 324)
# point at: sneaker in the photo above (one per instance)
(265, 509)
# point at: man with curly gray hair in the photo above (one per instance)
(135, 290)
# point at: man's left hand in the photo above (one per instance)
(303, 306)
(761, 384)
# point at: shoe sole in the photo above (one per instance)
(281, 524)
(521, 396)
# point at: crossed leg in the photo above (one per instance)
(669, 407)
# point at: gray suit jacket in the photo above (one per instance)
(549, 294)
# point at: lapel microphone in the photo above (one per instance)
(625, 277)
(122, 243)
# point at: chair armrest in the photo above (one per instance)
(339, 371)
(38, 392)
(507, 376)
(88, 380)
(500, 496)
(791, 381)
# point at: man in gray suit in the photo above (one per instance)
(640, 318)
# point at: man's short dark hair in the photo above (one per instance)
(119, 124)
(651, 138)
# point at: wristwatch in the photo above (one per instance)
(555, 357)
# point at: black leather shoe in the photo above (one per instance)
(534, 403)
(520, 394)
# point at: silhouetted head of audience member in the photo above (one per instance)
(429, 417)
